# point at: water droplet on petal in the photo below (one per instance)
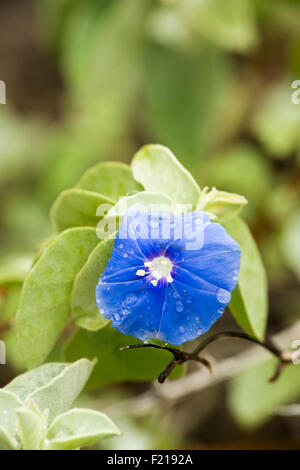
(121, 246)
(181, 329)
(117, 316)
(199, 332)
(179, 306)
(125, 255)
(189, 299)
(223, 296)
(197, 318)
(130, 299)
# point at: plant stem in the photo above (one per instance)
(181, 356)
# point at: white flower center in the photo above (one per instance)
(160, 267)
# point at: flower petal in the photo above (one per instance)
(188, 313)
(133, 307)
(218, 262)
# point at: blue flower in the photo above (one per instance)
(169, 276)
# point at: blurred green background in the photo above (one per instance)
(93, 80)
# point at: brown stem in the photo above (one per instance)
(181, 356)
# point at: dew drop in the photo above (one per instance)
(125, 255)
(181, 329)
(179, 306)
(189, 299)
(199, 332)
(197, 318)
(117, 316)
(130, 299)
(221, 310)
(223, 296)
(121, 246)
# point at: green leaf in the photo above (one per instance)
(59, 394)
(45, 302)
(113, 365)
(230, 25)
(111, 179)
(249, 303)
(224, 206)
(7, 440)
(25, 384)
(158, 170)
(253, 400)
(31, 429)
(46, 383)
(145, 199)
(85, 312)
(78, 428)
(77, 208)
(8, 418)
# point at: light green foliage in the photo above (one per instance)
(7, 441)
(113, 365)
(249, 304)
(221, 205)
(231, 24)
(26, 384)
(59, 394)
(8, 417)
(32, 428)
(45, 302)
(158, 170)
(253, 400)
(146, 200)
(35, 415)
(77, 428)
(112, 179)
(76, 208)
(85, 312)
